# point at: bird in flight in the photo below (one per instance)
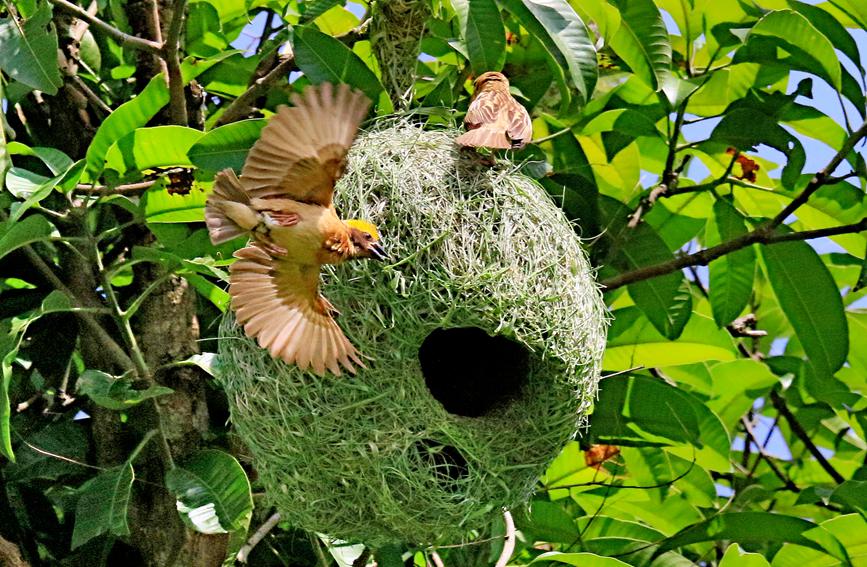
(283, 202)
(495, 119)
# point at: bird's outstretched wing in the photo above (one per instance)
(278, 302)
(301, 152)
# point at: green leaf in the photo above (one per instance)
(28, 50)
(204, 35)
(323, 58)
(115, 393)
(162, 206)
(811, 50)
(633, 341)
(745, 128)
(483, 33)
(556, 25)
(745, 528)
(831, 28)
(548, 521)
(5, 161)
(125, 119)
(736, 385)
(736, 557)
(102, 505)
(642, 40)
(55, 160)
(315, 8)
(811, 302)
(226, 146)
(852, 494)
(9, 343)
(665, 301)
(640, 410)
(731, 277)
(147, 148)
(17, 234)
(213, 492)
(578, 559)
(65, 438)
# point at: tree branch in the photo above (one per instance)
(244, 552)
(800, 433)
(821, 178)
(762, 235)
(242, 105)
(171, 49)
(122, 38)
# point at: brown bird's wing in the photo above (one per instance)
(301, 152)
(484, 109)
(278, 303)
(520, 129)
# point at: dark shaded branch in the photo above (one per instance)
(762, 235)
(241, 106)
(361, 560)
(122, 38)
(800, 433)
(171, 49)
(244, 552)
(751, 439)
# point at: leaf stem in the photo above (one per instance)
(170, 53)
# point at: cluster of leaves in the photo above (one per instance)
(731, 429)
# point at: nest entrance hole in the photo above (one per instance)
(471, 373)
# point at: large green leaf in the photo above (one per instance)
(147, 148)
(641, 410)
(323, 58)
(28, 50)
(565, 37)
(162, 206)
(483, 33)
(578, 559)
(9, 343)
(745, 528)
(811, 301)
(811, 50)
(213, 492)
(14, 235)
(745, 128)
(737, 557)
(731, 277)
(124, 120)
(633, 341)
(642, 40)
(665, 301)
(65, 438)
(226, 146)
(115, 393)
(102, 505)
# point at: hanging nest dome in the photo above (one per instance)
(484, 335)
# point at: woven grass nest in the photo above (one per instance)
(484, 334)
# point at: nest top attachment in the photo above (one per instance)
(485, 333)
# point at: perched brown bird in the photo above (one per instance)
(283, 201)
(495, 119)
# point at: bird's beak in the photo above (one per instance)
(377, 252)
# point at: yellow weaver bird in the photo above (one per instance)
(283, 201)
(495, 119)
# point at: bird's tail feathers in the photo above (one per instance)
(485, 138)
(227, 211)
(275, 306)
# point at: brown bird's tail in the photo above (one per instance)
(227, 211)
(278, 303)
(485, 138)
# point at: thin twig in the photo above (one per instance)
(178, 100)
(751, 438)
(321, 560)
(761, 235)
(257, 536)
(624, 486)
(800, 433)
(130, 188)
(122, 38)
(509, 545)
(91, 96)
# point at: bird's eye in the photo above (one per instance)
(368, 237)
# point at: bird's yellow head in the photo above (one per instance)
(491, 79)
(365, 240)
